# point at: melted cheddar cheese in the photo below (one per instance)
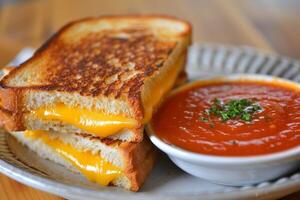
(93, 167)
(95, 122)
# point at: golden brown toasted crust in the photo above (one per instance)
(140, 159)
(77, 67)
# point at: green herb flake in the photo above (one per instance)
(234, 109)
(246, 117)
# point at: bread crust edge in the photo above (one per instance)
(140, 159)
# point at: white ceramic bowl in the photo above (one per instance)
(234, 171)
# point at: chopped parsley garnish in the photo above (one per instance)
(234, 109)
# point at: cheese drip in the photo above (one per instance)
(93, 167)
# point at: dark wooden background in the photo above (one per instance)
(271, 25)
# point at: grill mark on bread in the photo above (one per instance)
(108, 55)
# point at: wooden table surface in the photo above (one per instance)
(271, 25)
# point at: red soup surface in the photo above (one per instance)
(275, 127)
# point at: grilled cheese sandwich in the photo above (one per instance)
(120, 72)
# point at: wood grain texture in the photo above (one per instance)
(278, 21)
(271, 25)
(12, 190)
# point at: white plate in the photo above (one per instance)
(166, 181)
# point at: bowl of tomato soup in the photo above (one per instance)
(235, 130)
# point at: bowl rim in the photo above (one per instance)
(184, 154)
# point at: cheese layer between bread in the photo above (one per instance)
(93, 167)
(95, 122)
(103, 124)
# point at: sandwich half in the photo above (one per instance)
(103, 161)
(99, 76)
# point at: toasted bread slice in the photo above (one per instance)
(135, 159)
(119, 66)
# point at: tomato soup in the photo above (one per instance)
(234, 118)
